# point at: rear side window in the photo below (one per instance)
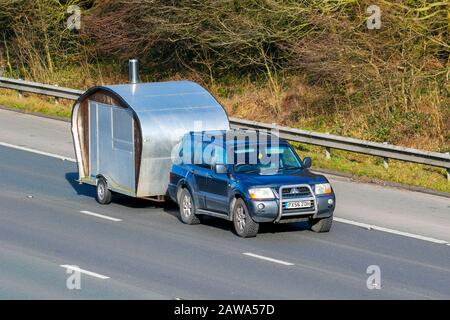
(203, 154)
(186, 152)
(219, 155)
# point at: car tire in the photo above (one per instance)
(103, 195)
(187, 208)
(321, 225)
(244, 225)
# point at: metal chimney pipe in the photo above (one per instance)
(133, 65)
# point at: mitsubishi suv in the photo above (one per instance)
(249, 178)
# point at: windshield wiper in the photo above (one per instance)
(250, 171)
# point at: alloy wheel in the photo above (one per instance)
(240, 218)
(187, 206)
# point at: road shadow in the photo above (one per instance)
(284, 227)
(80, 189)
(120, 199)
(171, 209)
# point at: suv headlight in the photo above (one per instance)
(322, 188)
(261, 193)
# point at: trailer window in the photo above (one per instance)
(122, 133)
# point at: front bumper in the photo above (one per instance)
(269, 210)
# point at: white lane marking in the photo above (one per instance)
(89, 273)
(400, 233)
(89, 213)
(267, 259)
(57, 156)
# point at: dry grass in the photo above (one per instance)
(426, 125)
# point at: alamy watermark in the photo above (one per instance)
(73, 281)
(374, 20)
(212, 147)
(74, 20)
(374, 280)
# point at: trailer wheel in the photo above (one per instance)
(321, 225)
(244, 225)
(103, 195)
(187, 208)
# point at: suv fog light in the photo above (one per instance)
(261, 206)
(330, 201)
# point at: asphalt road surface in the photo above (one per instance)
(136, 249)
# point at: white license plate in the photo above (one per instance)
(298, 204)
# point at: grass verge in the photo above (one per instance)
(34, 104)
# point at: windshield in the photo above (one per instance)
(264, 159)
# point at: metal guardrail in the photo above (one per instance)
(329, 141)
(39, 88)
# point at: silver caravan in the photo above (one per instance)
(124, 134)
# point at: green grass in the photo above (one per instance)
(33, 104)
(363, 167)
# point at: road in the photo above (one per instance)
(143, 251)
(388, 207)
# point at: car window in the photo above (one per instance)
(287, 158)
(187, 150)
(264, 159)
(203, 154)
(219, 156)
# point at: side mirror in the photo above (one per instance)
(307, 162)
(220, 169)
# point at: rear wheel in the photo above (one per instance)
(321, 225)
(103, 195)
(187, 208)
(243, 224)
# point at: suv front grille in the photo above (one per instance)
(296, 192)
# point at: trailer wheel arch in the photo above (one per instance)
(100, 176)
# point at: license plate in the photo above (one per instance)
(298, 204)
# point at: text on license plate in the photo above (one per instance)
(297, 204)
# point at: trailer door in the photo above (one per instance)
(123, 149)
(111, 146)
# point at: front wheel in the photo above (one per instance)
(187, 208)
(321, 225)
(103, 195)
(243, 224)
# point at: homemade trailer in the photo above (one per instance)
(124, 134)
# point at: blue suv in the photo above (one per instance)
(249, 178)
